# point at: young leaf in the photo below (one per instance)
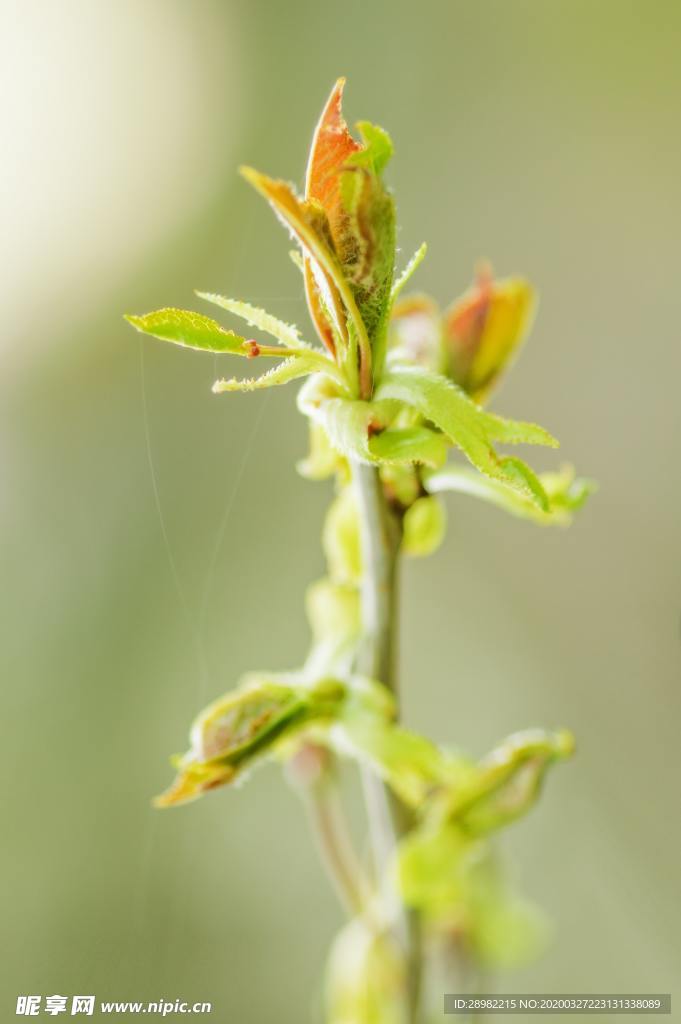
(357, 429)
(516, 431)
(343, 177)
(509, 780)
(432, 867)
(406, 275)
(368, 252)
(466, 425)
(332, 147)
(287, 334)
(451, 878)
(322, 460)
(401, 445)
(244, 726)
(351, 201)
(347, 424)
(565, 494)
(505, 931)
(304, 225)
(333, 612)
(377, 150)
(366, 977)
(411, 765)
(290, 369)
(423, 527)
(229, 734)
(192, 330)
(341, 540)
(484, 330)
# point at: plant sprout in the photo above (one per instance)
(393, 386)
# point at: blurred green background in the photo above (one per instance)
(543, 135)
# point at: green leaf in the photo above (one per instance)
(517, 431)
(423, 527)
(564, 492)
(322, 460)
(452, 879)
(192, 330)
(507, 931)
(484, 329)
(287, 334)
(366, 977)
(344, 179)
(360, 430)
(333, 611)
(348, 425)
(432, 866)
(287, 371)
(406, 275)
(369, 259)
(244, 726)
(502, 929)
(509, 780)
(377, 151)
(399, 445)
(304, 224)
(341, 540)
(466, 425)
(411, 765)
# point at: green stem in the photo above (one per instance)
(329, 825)
(380, 531)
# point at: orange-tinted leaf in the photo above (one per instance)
(484, 329)
(343, 178)
(332, 146)
(308, 225)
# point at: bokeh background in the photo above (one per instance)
(156, 540)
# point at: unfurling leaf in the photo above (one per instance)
(322, 460)
(484, 329)
(343, 177)
(361, 430)
(237, 730)
(306, 227)
(411, 765)
(290, 369)
(423, 527)
(453, 880)
(468, 426)
(287, 334)
(509, 779)
(341, 540)
(408, 272)
(502, 929)
(564, 492)
(344, 180)
(192, 330)
(366, 977)
(377, 150)
(332, 147)
(397, 446)
(333, 612)
(432, 866)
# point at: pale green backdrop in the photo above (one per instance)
(542, 134)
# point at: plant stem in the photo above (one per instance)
(335, 845)
(380, 532)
